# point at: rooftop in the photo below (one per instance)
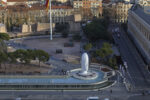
(141, 13)
(25, 7)
(17, 0)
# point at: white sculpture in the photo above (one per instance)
(84, 73)
(84, 63)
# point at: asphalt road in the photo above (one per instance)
(136, 73)
(118, 93)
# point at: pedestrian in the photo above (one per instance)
(143, 93)
(111, 91)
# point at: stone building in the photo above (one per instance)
(3, 28)
(143, 2)
(61, 14)
(26, 28)
(117, 12)
(120, 10)
(17, 15)
(139, 30)
(88, 8)
(31, 15)
(61, 1)
(18, 2)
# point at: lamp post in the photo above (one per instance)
(51, 37)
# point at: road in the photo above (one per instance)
(118, 93)
(136, 73)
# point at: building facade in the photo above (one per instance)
(88, 8)
(2, 28)
(120, 10)
(143, 2)
(139, 30)
(17, 15)
(18, 2)
(62, 14)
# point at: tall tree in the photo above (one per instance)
(3, 58)
(4, 36)
(42, 56)
(88, 46)
(3, 47)
(11, 57)
(105, 51)
(96, 30)
(23, 55)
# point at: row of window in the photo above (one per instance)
(87, 3)
(141, 28)
(139, 38)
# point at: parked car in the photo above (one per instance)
(118, 35)
(106, 99)
(147, 92)
(93, 98)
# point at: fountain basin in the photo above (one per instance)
(90, 75)
(48, 80)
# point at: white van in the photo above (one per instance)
(93, 98)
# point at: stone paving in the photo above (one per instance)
(61, 65)
(50, 46)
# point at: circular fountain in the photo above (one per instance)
(84, 73)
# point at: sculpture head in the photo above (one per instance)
(84, 63)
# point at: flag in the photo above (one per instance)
(47, 5)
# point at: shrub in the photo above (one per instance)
(88, 46)
(4, 36)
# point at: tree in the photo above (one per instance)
(12, 57)
(4, 36)
(96, 30)
(88, 46)
(3, 58)
(3, 46)
(105, 51)
(32, 54)
(42, 56)
(112, 62)
(23, 55)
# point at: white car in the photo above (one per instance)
(106, 99)
(93, 98)
(18, 98)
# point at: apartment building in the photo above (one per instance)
(88, 8)
(143, 2)
(121, 11)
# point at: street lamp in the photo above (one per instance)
(50, 20)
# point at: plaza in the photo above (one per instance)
(50, 46)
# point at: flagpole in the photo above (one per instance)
(51, 37)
